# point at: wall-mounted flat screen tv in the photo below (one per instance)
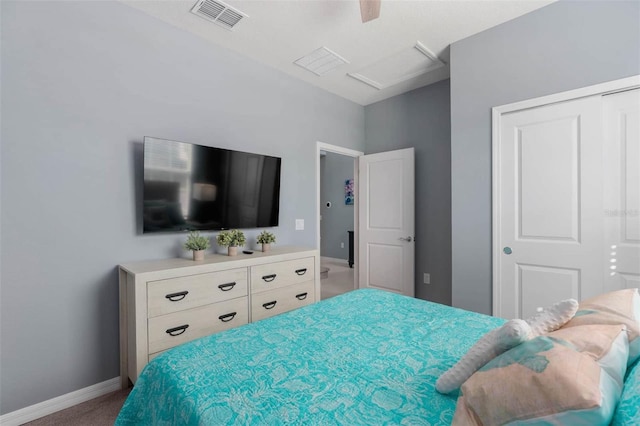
(194, 187)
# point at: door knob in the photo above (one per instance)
(507, 250)
(409, 239)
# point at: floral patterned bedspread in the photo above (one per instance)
(628, 410)
(366, 357)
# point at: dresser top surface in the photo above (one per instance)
(214, 261)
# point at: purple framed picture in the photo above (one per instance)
(348, 192)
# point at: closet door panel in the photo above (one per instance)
(621, 157)
(550, 206)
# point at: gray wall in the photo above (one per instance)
(82, 83)
(421, 119)
(337, 220)
(563, 46)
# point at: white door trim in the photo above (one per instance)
(597, 89)
(321, 146)
(496, 119)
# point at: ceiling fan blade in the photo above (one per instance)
(369, 9)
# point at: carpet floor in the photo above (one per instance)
(101, 411)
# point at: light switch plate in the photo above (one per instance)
(299, 224)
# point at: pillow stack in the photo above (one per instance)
(569, 371)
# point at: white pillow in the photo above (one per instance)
(484, 350)
(504, 338)
(553, 317)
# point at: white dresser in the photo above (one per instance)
(164, 303)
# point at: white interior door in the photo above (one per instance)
(550, 230)
(622, 189)
(386, 221)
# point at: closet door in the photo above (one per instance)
(621, 158)
(550, 209)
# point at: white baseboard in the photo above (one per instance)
(44, 408)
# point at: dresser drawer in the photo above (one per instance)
(274, 302)
(177, 294)
(281, 274)
(152, 356)
(170, 330)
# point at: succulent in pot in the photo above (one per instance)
(232, 239)
(266, 238)
(198, 244)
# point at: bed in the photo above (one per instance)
(366, 357)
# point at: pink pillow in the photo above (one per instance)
(616, 307)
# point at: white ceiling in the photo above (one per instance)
(278, 32)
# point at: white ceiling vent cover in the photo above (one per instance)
(402, 66)
(218, 13)
(321, 61)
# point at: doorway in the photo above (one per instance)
(337, 219)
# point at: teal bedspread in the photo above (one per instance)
(367, 357)
(628, 410)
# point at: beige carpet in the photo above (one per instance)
(101, 411)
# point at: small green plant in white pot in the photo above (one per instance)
(266, 238)
(232, 239)
(198, 244)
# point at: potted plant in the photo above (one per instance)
(231, 239)
(266, 238)
(198, 244)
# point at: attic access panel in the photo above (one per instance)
(399, 67)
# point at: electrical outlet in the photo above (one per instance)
(427, 278)
(341, 245)
(299, 224)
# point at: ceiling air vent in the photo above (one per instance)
(321, 61)
(218, 12)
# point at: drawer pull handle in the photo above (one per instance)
(227, 317)
(175, 297)
(301, 271)
(301, 296)
(270, 305)
(269, 278)
(176, 331)
(227, 286)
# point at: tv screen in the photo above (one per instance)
(195, 187)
